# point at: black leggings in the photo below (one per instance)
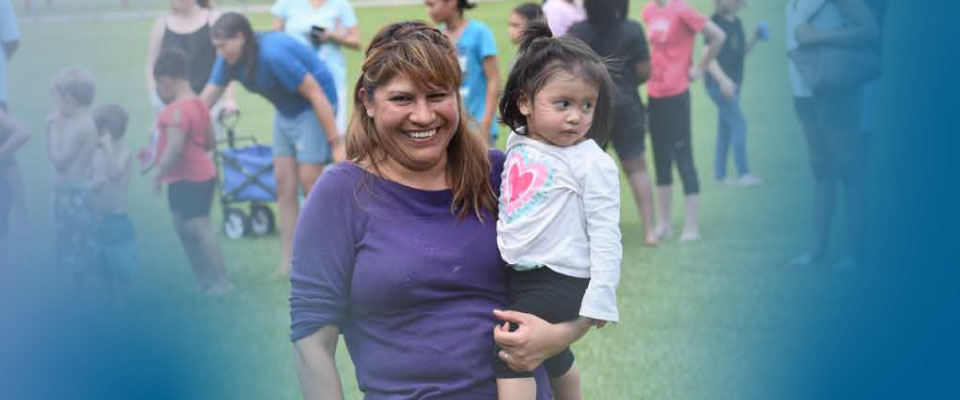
(670, 134)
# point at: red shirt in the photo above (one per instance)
(672, 31)
(193, 118)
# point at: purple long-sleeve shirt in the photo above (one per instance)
(410, 286)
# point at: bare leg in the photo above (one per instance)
(664, 228)
(19, 204)
(639, 179)
(517, 389)
(824, 203)
(208, 249)
(567, 387)
(189, 242)
(285, 169)
(691, 218)
(309, 173)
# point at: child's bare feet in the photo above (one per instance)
(650, 239)
(690, 235)
(664, 231)
(219, 289)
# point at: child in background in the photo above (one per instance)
(672, 26)
(559, 222)
(109, 182)
(183, 163)
(522, 16)
(621, 40)
(13, 135)
(477, 51)
(723, 83)
(71, 142)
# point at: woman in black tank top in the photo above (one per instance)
(188, 28)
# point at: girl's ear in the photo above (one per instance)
(367, 101)
(525, 105)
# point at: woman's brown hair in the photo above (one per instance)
(425, 56)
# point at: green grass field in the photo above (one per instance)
(698, 320)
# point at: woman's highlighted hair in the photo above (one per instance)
(425, 56)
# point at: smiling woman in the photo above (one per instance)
(397, 248)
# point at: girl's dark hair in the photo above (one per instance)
(605, 13)
(465, 5)
(204, 3)
(227, 27)
(171, 63)
(541, 56)
(530, 11)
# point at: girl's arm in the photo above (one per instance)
(210, 94)
(176, 140)
(492, 72)
(863, 30)
(278, 24)
(752, 42)
(643, 70)
(601, 209)
(310, 89)
(715, 37)
(98, 171)
(727, 86)
(535, 340)
(349, 37)
(315, 360)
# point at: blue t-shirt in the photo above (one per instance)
(9, 32)
(282, 63)
(475, 44)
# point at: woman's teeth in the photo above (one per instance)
(422, 134)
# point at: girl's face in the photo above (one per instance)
(516, 24)
(415, 125)
(441, 10)
(561, 114)
(231, 49)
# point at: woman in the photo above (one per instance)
(612, 35)
(297, 83)
(187, 27)
(338, 27)
(831, 122)
(397, 248)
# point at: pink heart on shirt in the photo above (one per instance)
(523, 181)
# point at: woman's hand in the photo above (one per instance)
(535, 340)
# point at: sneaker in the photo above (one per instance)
(748, 180)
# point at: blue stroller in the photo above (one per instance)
(246, 176)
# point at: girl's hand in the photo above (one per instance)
(596, 322)
(728, 88)
(157, 186)
(695, 73)
(534, 341)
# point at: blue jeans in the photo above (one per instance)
(731, 130)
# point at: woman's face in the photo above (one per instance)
(231, 49)
(516, 24)
(441, 10)
(415, 125)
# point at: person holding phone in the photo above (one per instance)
(325, 26)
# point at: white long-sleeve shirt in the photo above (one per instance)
(560, 208)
